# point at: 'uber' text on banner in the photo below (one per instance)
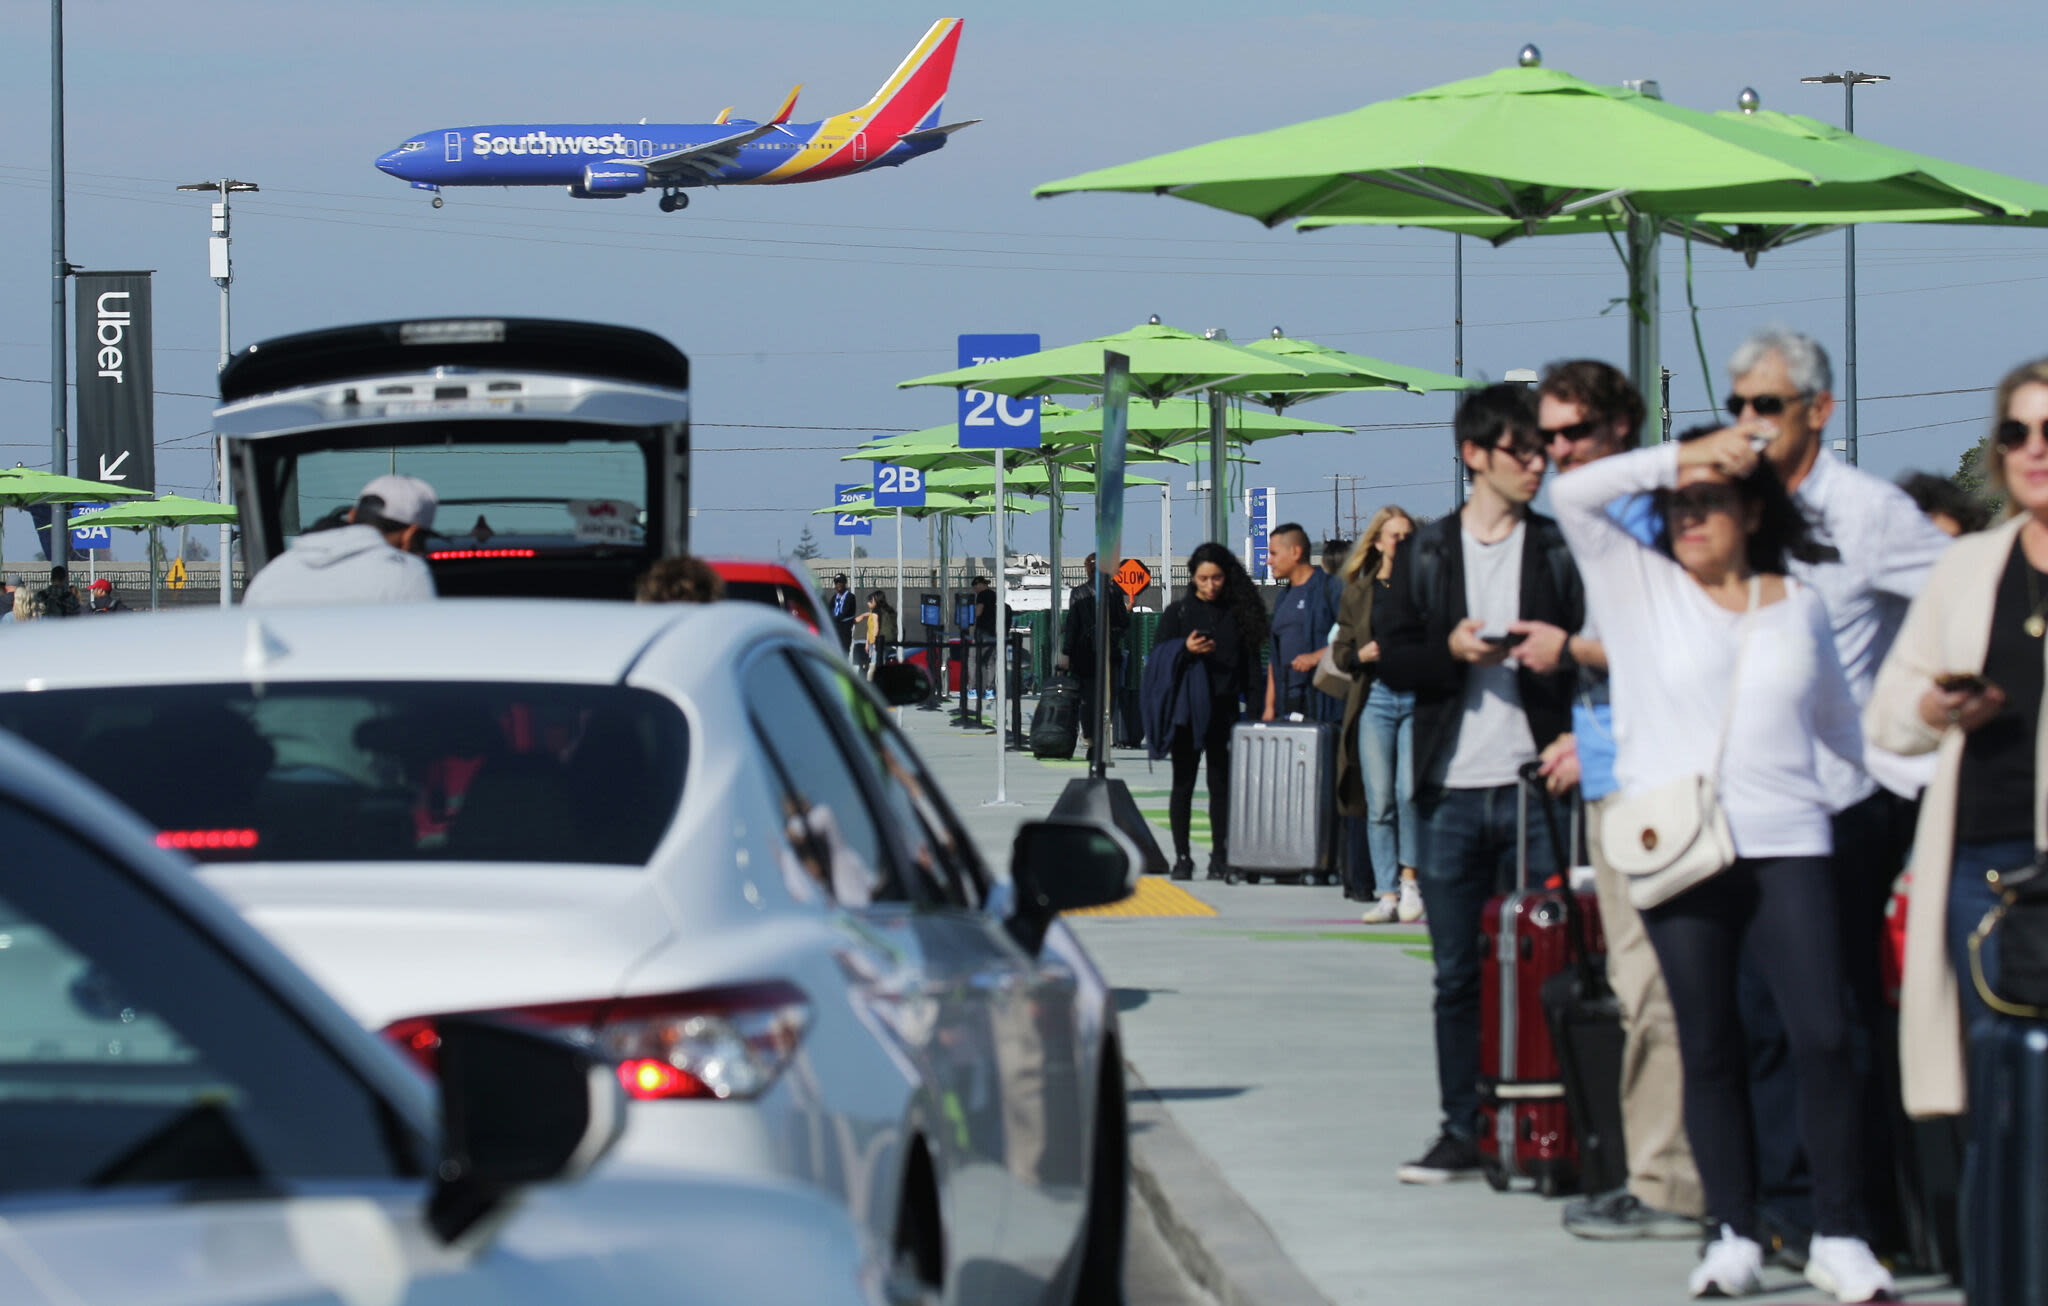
(116, 380)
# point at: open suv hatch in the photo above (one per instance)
(560, 451)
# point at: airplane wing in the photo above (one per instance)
(935, 133)
(705, 159)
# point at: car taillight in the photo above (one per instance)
(710, 1043)
(207, 839)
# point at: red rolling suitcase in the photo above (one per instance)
(1528, 935)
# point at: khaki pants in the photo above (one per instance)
(1660, 1165)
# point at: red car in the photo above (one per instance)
(778, 585)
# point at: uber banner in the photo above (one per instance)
(116, 408)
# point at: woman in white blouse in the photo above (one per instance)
(1681, 622)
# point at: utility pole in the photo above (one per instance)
(60, 271)
(223, 273)
(1849, 80)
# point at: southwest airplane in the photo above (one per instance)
(612, 160)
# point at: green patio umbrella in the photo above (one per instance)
(1523, 147)
(1164, 362)
(1396, 376)
(25, 487)
(168, 510)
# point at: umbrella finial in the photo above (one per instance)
(1154, 320)
(1748, 100)
(1278, 334)
(1531, 57)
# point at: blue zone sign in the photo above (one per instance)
(991, 421)
(898, 487)
(1259, 505)
(846, 523)
(90, 537)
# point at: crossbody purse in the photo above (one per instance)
(1676, 836)
(2020, 923)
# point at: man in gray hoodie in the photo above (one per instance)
(374, 559)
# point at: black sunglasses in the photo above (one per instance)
(1765, 405)
(1523, 450)
(2012, 433)
(1576, 431)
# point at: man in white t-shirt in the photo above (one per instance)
(1475, 626)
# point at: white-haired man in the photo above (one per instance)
(1882, 547)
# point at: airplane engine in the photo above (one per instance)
(609, 182)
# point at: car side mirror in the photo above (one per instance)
(517, 1107)
(1064, 865)
(902, 684)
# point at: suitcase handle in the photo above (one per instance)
(1531, 774)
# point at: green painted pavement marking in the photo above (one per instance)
(1420, 954)
(1346, 936)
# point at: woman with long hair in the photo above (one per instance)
(1220, 620)
(877, 626)
(1963, 680)
(1376, 755)
(1726, 688)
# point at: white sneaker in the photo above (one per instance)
(1846, 1268)
(1383, 912)
(1410, 909)
(1732, 1267)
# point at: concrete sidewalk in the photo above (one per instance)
(1293, 1048)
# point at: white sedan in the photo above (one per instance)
(687, 837)
(188, 1121)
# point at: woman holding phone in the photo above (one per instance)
(1964, 680)
(1723, 671)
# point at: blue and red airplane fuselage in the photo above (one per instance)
(611, 160)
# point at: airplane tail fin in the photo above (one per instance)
(723, 114)
(912, 95)
(788, 106)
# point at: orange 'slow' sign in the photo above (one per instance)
(1132, 577)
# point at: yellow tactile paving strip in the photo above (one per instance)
(1156, 896)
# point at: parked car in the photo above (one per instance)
(781, 586)
(686, 836)
(560, 451)
(190, 1120)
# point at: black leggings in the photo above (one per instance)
(1187, 756)
(1782, 909)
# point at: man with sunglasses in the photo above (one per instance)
(1462, 587)
(1587, 410)
(1881, 547)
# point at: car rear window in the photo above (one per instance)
(379, 771)
(788, 598)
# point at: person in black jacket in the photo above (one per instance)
(1077, 646)
(1476, 627)
(1222, 621)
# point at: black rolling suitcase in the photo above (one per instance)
(1056, 721)
(2005, 1193)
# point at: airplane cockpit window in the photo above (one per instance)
(410, 146)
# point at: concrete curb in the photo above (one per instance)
(1222, 1243)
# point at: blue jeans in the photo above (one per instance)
(1969, 897)
(1386, 756)
(1468, 855)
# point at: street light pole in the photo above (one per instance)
(60, 271)
(222, 270)
(1849, 80)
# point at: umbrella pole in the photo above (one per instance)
(1457, 360)
(1059, 575)
(1166, 540)
(1002, 798)
(1645, 367)
(902, 625)
(152, 568)
(1219, 459)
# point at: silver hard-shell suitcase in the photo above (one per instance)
(1283, 801)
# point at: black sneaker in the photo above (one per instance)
(1183, 867)
(1619, 1216)
(1449, 1158)
(1219, 865)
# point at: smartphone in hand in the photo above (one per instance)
(1961, 682)
(1508, 640)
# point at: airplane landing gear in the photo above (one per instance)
(674, 200)
(438, 201)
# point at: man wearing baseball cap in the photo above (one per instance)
(102, 597)
(375, 558)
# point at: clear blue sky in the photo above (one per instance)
(802, 306)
